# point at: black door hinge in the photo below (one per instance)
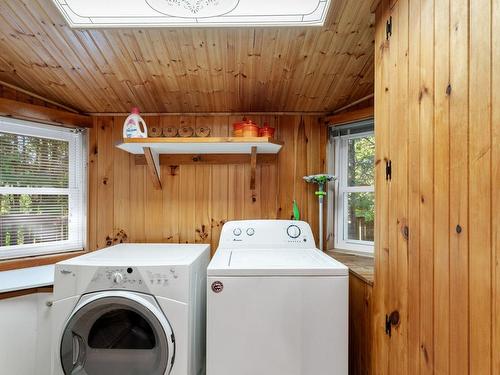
(388, 170)
(391, 320)
(388, 28)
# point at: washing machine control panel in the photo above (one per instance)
(266, 234)
(293, 231)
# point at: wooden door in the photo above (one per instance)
(437, 104)
(392, 133)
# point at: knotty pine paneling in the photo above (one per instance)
(177, 70)
(360, 326)
(9, 93)
(381, 294)
(196, 200)
(437, 100)
(17, 104)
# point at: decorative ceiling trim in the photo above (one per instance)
(193, 13)
(193, 8)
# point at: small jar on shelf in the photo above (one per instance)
(266, 131)
(250, 129)
(238, 128)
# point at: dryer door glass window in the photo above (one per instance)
(114, 335)
(121, 329)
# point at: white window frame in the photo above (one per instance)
(341, 190)
(76, 191)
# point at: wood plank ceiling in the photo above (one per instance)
(189, 70)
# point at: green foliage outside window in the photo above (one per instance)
(361, 172)
(33, 163)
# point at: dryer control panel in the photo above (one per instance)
(159, 280)
(131, 278)
(117, 278)
(266, 234)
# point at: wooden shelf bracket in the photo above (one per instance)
(153, 163)
(253, 166)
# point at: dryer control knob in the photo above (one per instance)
(293, 231)
(237, 231)
(117, 278)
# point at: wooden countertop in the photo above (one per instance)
(360, 266)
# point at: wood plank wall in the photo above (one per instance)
(198, 199)
(437, 114)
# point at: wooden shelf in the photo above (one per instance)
(176, 151)
(208, 145)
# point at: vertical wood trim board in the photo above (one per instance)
(381, 289)
(441, 240)
(480, 287)
(495, 183)
(413, 318)
(459, 184)
(196, 200)
(437, 116)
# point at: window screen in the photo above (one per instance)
(41, 189)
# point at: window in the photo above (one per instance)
(355, 193)
(41, 189)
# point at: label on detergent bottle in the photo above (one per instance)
(132, 127)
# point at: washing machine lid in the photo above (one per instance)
(279, 262)
(117, 332)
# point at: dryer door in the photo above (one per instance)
(117, 333)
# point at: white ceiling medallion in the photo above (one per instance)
(192, 13)
(193, 8)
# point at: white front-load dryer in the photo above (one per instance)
(131, 309)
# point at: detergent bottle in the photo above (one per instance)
(135, 126)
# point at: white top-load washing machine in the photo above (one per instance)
(276, 305)
(131, 309)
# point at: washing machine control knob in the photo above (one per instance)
(237, 231)
(117, 278)
(293, 231)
